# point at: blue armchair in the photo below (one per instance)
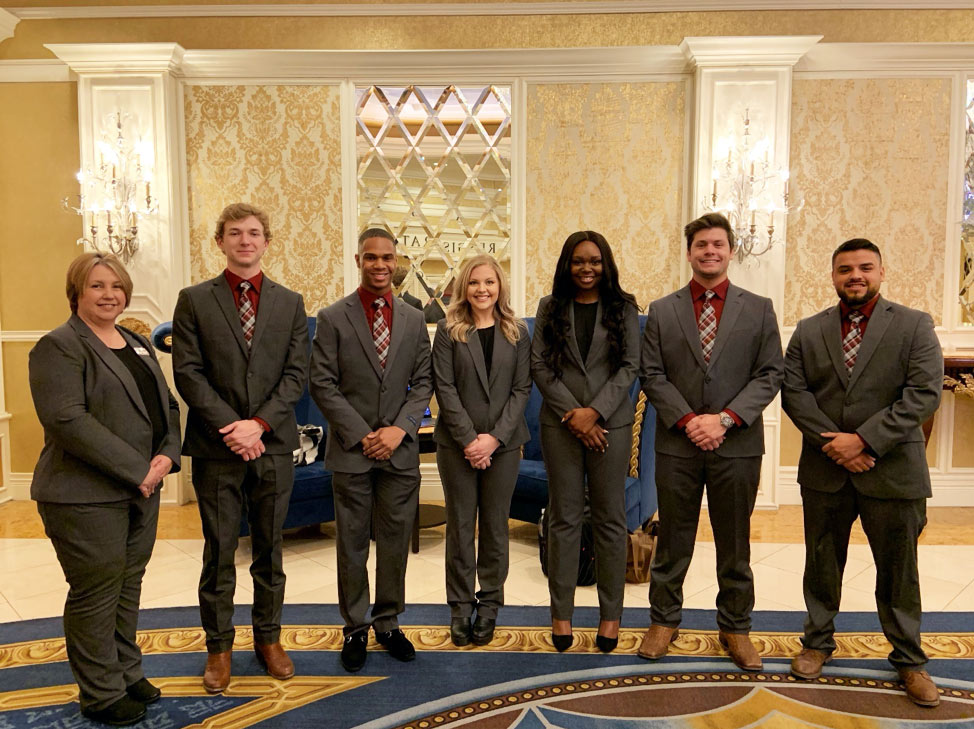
(531, 489)
(312, 500)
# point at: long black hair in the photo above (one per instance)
(614, 299)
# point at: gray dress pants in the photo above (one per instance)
(476, 501)
(103, 550)
(569, 464)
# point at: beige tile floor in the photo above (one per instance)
(32, 585)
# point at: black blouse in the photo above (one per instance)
(585, 326)
(487, 344)
(145, 380)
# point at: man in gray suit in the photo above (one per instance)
(860, 379)
(711, 362)
(370, 376)
(240, 359)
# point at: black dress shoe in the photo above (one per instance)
(398, 645)
(123, 712)
(562, 642)
(353, 652)
(483, 630)
(143, 691)
(460, 631)
(606, 645)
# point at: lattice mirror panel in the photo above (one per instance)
(434, 168)
(967, 227)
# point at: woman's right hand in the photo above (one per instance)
(594, 438)
(159, 467)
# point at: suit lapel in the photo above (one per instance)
(476, 350)
(501, 347)
(683, 309)
(728, 318)
(398, 325)
(831, 324)
(598, 337)
(360, 325)
(265, 310)
(875, 329)
(572, 340)
(224, 297)
(112, 362)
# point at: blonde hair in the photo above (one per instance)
(459, 317)
(80, 269)
(239, 211)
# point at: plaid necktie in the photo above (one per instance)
(850, 345)
(246, 311)
(707, 324)
(380, 331)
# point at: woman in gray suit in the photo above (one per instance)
(111, 433)
(482, 380)
(584, 358)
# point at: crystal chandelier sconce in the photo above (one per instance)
(750, 192)
(116, 195)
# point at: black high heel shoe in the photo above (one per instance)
(606, 645)
(562, 642)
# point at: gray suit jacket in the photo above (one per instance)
(221, 381)
(97, 432)
(356, 395)
(591, 383)
(744, 373)
(471, 403)
(895, 386)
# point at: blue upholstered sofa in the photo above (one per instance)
(531, 490)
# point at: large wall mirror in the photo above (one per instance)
(434, 168)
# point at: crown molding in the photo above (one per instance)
(22, 335)
(37, 70)
(119, 58)
(388, 66)
(905, 57)
(8, 21)
(576, 7)
(768, 50)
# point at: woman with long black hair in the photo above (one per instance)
(584, 358)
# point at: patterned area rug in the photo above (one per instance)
(518, 681)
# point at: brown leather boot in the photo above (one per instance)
(741, 650)
(920, 687)
(656, 641)
(216, 677)
(274, 660)
(808, 664)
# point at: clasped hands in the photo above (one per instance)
(243, 437)
(705, 431)
(480, 449)
(584, 424)
(380, 443)
(848, 451)
(159, 467)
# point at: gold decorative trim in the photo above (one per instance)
(637, 429)
(136, 325)
(964, 386)
(514, 639)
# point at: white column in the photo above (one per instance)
(735, 74)
(141, 79)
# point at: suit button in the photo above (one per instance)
(707, 379)
(250, 374)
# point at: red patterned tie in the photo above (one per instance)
(380, 331)
(246, 310)
(707, 324)
(850, 345)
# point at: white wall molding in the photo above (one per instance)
(900, 57)
(370, 9)
(8, 21)
(430, 486)
(119, 58)
(18, 487)
(724, 51)
(39, 70)
(22, 335)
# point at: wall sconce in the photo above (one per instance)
(117, 193)
(750, 192)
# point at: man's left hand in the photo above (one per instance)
(381, 443)
(242, 435)
(705, 431)
(842, 447)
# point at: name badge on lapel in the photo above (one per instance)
(141, 351)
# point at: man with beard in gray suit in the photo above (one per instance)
(860, 380)
(371, 377)
(711, 363)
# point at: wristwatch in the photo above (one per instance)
(726, 420)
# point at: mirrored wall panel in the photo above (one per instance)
(434, 168)
(967, 227)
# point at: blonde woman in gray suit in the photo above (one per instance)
(584, 359)
(482, 380)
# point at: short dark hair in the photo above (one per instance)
(375, 233)
(706, 222)
(857, 244)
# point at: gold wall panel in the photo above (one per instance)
(609, 158)
(521, 31)
(279, 148)
(963, 434)
(870, 157)
(790, 440)
(26, 434)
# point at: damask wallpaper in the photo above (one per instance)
(607, 157)
(870, 156)
(277, 147)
